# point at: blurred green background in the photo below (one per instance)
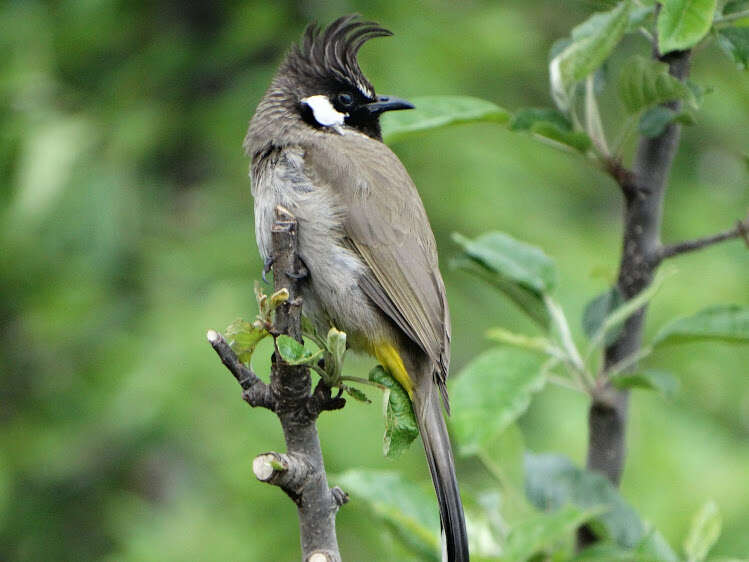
(126, 233)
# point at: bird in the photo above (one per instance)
(368, 250)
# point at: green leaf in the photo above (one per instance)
(736, 7)
(335, 344)
(400, 423)
(552, 481)
(596, 310)
(638, 17)
(407, 509)
(704, 532)
(521, 271)
(356, 394)
(434, 112)
(592, 43)
(645, 82)
(514, 260)
(503, 456)
(491, 392)
(294, 352)
(542, 530)
(243, 338)
(605, 551)
(526, 117)
(660, 381)
(655, 120)
(735, 42)
(726, 323)
(683, 23)
(528, 301)
(577, 140)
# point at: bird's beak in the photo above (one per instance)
(386, 103)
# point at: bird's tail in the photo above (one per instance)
(442, 466)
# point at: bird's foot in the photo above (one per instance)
(267, 264)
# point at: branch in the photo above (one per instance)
(255, 391)
(741, 230)
(301, 471)
(643, 188)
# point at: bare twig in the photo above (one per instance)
(300, 472)
(255, 391)
(741, 230)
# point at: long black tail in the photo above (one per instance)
(442, 466)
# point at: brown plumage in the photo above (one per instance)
(364, 235)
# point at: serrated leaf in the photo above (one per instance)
(646, 82)
(243, 338)
(703, 533)
(407, 509)
(655, 120)
(434, 112)
(357, 394)
(552, 481)
(528, 301)
(735, 42)
(660, 381)
(542, 530)
(521, 271)
(683, 23)
(491, 392)
(726, 323)
(592, 43)
(526, 117)
(598, 309)
(578, 140)
(514, 260)
(293, 352)
(400, 422)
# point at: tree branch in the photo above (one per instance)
(301, 471)
(741, 230)
(644, 191)
(255, 391)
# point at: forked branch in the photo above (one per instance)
(299, 472)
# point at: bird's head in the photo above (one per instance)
(322, 78)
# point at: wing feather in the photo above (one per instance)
(387, 226)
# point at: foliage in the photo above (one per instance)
(400, 423)
(496, 387)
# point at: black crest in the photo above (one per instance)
(330, 55)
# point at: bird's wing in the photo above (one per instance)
(388, 227)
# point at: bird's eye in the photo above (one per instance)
(346, 100)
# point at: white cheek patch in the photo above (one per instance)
(324, 112)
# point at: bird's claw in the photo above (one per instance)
(267, 264)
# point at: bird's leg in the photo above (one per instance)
(267, 264)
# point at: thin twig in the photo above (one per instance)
(256, 392)
(732, 17)
(741, 230)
